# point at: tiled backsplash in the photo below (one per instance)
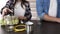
(33, 8)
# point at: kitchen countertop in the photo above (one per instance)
(35, 30)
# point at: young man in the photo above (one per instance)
(49, 12)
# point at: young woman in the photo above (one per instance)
(19, 8)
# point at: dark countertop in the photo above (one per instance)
(35, 30)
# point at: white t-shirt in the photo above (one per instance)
(53, 8)
(18, 10)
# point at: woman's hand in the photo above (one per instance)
(5, 11)
(22, 18)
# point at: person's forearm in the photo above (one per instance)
(22, 18)
(49, 18)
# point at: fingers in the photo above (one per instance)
(4, 11)
(10, 10)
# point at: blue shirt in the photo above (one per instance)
(43, 7)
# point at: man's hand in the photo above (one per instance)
(58, 20)
(50, 18)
